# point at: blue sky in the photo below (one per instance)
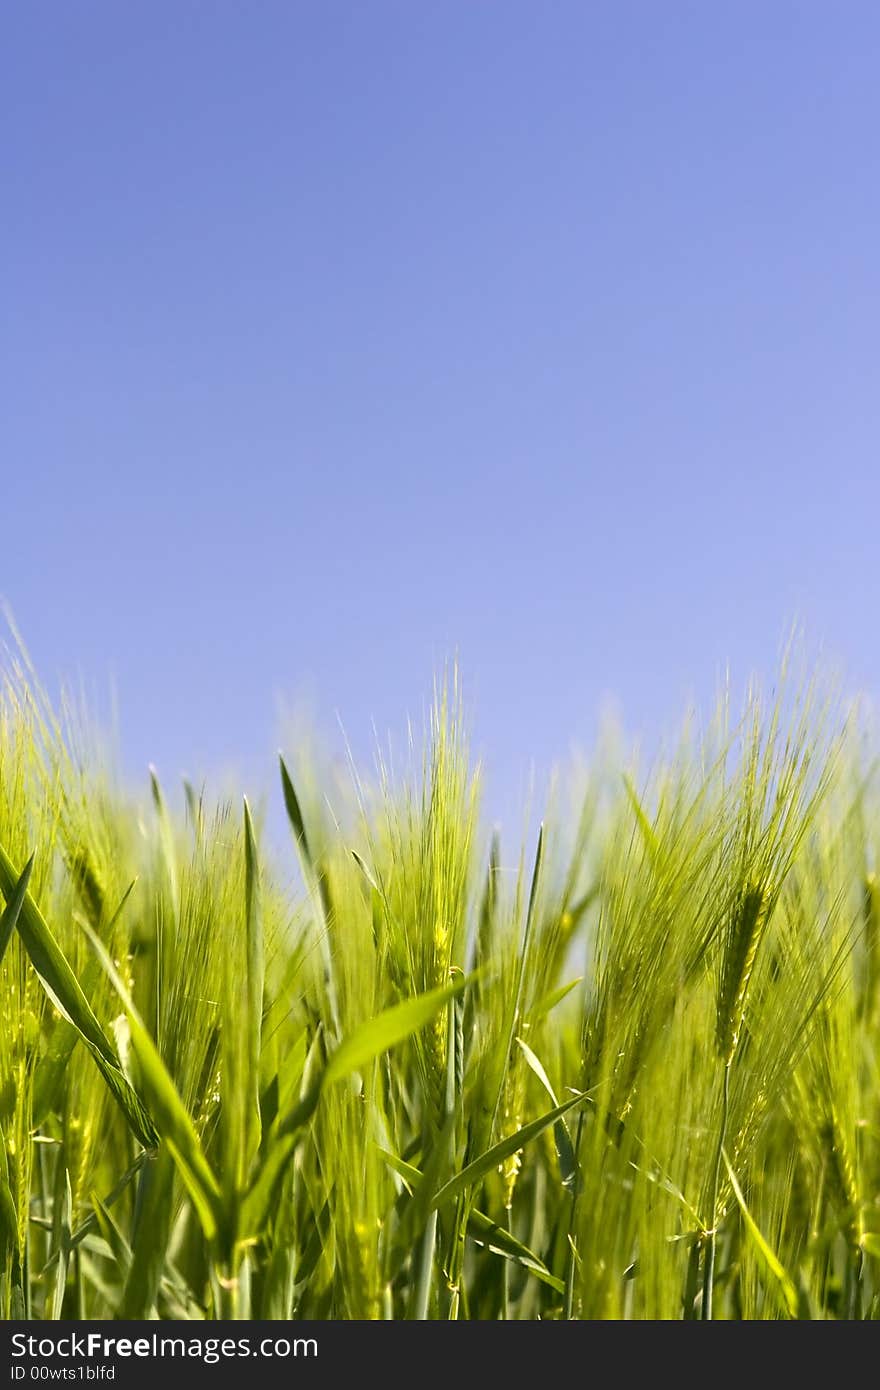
(343, 337)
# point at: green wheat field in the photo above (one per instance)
(400, 1067)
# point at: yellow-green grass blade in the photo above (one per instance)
(52, 966)
(63, 988)
(295, 815)
(362, 1046)
(87, 1226)
(151, 1230)
(113, 1235)
(392, 1026)
(780, 1281)
(255, 1209)
(649, 836)
(547, 1003)
(313, 869)
(64, 1249)
(166, 840)
(316, 877)
(173, 1121)
(477, 1170)
(481, 1228)
(514, 1006)
(9, 1243)
(564, 1149)
(13, 907)
(52, 1066)
(256, 971)
(370, 1040)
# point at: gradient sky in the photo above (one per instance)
(340, 337)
